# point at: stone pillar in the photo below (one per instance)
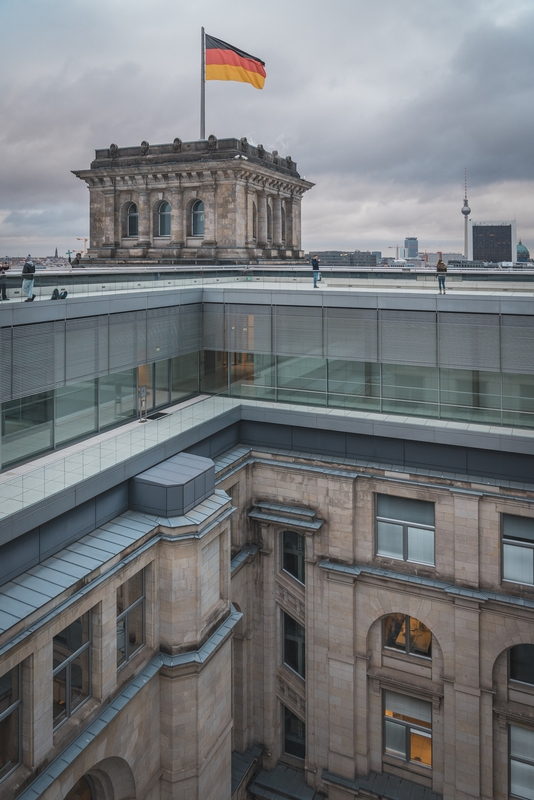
(297, 237)
(143, 239)
(210, 216)
(250, 218)
(289, 224)
(277, 221)
(177, 218)
(466, 544)
(109, 218)
(262, 220)
(37, 700)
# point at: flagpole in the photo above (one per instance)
(203, 87)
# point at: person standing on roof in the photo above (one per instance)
(28, 277)
(316, 273)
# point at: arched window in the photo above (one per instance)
(254, 221)
(132, 220)
(269, 223)
(164, 219)
(522, 663)
(408, 635)
(197, 218)
(283, 220)
(81, 790)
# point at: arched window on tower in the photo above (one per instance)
(132, 220)
(254, 221)
(164, 219)
(197, 218)
(283, 221)
(269, 223)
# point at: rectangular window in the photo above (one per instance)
(294, 645)
(521, 663)
(405, 529)
(518, 549)
(10, 721)
(130, 618)
(408, 728)
(72, 668)
(293, 554)
(521, 762)
(294, 735)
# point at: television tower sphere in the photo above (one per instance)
(466, 210)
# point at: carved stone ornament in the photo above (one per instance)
(113, 151)
(276, 157)
(289, 162)
(261, 151)
(177, 145)
(212, 142)
(244, 144)
(144, 148)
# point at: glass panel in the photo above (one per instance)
(132, 221)
(71, 639)
(9, 689)
(518, 392)
(294, 645)
(145, 377)
(418, 384)
(353, 384)
(76, 409)
(395, 736)
(164, 219)
(518, 564)
(420, 639)
(184, 376)
(80, 688)
(9, 742)
(522, 742)
(522, 663)
(135, 628)
(389, 539)
(80, 791)
(421, 545)
(118, 397)
(214, 372)
(420, 747)
(197, 218)
(161, 381)
(409, 709)
(293, 556)
(405, 509)
(294, 735)
(473, 388)
(60, 696)
(121, 641)
(27, 427)
(252, 375)
(395, 631)
(301, 380)
(522, 779)
(521, 528)
(129, 592)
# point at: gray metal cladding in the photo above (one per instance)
(469, 341)
(248, 328)
(86, 343)
(298, 331)
(163, 333)
(38, 357)
(5, 363)
(351, 333)
(190, 328)
(127, 340)
(517, 344)
(213, 337)
(408, 337)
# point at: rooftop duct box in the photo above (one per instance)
(173, 487)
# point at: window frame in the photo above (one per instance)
(427, 733)
(124, 616)
(519, 759)
(405, 525)
(406, 651)
(67, 665)
(166, 214)
(195, 215)
(283, 552)
(509, 658)
(514, 543)
(132, 216)
(15, 707)
(287, 710)
(301, 646)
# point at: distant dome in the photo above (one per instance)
(522, 252)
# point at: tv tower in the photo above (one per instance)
(465, 211)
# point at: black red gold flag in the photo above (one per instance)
(224, 62)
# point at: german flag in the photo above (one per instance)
(224, 62)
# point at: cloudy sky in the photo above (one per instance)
(382, 104)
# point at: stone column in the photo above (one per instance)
(177, 218)
(289, 223)
(143, 238)
(297, 238)
(466, 544)
(250, 218)
(262, 220)
(109, 218)
(277, 221)
(210, 216)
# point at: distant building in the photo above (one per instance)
(522, 252)
(492, 241)
(338, 258)
(411, 244)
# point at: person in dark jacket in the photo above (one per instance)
(28, 277)
(315, 268)
(441, 269)
(3, 270)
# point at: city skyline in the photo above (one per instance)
(375, 119)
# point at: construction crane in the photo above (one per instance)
(83, 239)
(396, 248)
